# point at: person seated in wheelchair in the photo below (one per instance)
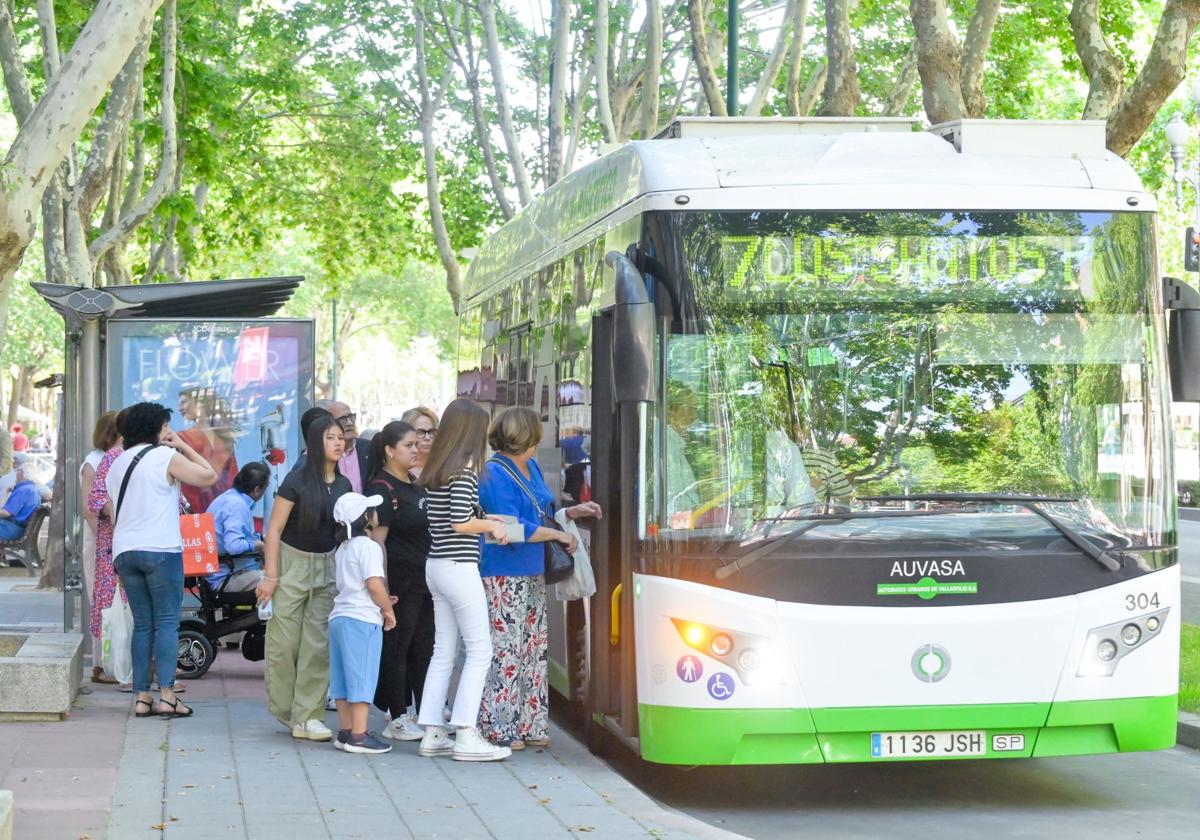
(234, 519)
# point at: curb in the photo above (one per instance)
(1188, 733)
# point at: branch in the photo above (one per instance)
(161, 185)
(654, 58)
(471, 70)
(1105, 72)
(975, 50)
(796, 57)
(559, 42)
(906, 79)
(126, 88)
(603, 104)
(705, 67)
(1164, 69)
(16, 82)
(766, 82)
(812, 90)
(72, 95)
(48, 28)
(487, 11)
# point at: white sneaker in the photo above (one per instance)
(436, 741)
(403, 728)
(330, 704)
(312, 730)
(469, 745)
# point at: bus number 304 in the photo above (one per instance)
(1141, 601)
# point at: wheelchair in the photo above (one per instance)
(219, 614)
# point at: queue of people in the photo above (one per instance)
(378, 562)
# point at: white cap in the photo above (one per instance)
(351, 506)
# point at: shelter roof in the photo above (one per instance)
(258, 297)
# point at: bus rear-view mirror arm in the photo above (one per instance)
(1182, 303)
(633, 333)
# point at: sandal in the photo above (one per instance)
(149, 704)
(174, 713)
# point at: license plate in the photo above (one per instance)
(927, 744)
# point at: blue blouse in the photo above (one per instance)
(500, 494)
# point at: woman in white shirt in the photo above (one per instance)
(104, 437)
(143, 486)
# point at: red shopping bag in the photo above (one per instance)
(199, 533)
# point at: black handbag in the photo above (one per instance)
(559, 563)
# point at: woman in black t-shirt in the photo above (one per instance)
(299, 582)
(403, 530)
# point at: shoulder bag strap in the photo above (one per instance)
(536, 505)
(125, 481)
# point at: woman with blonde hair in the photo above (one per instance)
(451, 480)
(425, 423)
(515, 708)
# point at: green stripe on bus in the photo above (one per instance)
(674, 735)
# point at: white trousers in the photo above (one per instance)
(459, 610)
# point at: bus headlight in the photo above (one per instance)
(1101, 653)
(751, 655)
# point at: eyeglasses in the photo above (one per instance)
(346, 421)
(425, 433)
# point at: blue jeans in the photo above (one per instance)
(153, 582)
(10, 530)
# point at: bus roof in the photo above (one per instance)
(727, 155)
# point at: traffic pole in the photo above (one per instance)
(731, 61)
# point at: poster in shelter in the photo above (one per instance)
(237, 389)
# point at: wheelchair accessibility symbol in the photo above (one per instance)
(720, 686)
(689, 668)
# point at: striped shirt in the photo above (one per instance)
(455, 503)
(829, 479)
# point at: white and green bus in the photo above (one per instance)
(880, 422)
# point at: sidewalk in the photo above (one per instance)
(233, 771)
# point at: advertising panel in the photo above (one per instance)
(237, 387)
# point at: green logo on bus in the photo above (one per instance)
(927, 588)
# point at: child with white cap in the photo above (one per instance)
(361, 612)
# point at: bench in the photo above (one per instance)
(25, 547)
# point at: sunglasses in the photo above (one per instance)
(425, 433)
(346, 421)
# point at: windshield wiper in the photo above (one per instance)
(1100, 555)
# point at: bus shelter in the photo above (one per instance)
(237, 377)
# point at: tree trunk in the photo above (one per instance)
(559, 41)
(650, 81)
(766, 82)
(975, 50)
(939, 60)
(487, 11)
(603, 104)
(470, 67)
(1165, 68)
(54, 574)
(58, 119)
(841, 83)
(796, 58)
(705, 66)
(1105, 72)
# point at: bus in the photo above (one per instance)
(879, 418)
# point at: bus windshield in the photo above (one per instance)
(822, 363)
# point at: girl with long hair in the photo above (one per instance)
(403, 530)
(299, 581)
(451, 479)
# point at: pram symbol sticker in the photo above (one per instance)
(720, 686)
(689, 668)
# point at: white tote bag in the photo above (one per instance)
(116, 637)
(582, 582)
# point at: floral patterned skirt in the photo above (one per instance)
(515, 703)
(105, 580)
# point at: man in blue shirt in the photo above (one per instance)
(234, 519)
(22, 501)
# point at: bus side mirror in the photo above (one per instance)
(633, 333)
(1182, 303)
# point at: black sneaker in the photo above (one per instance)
(366, 743)
(343, 736)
